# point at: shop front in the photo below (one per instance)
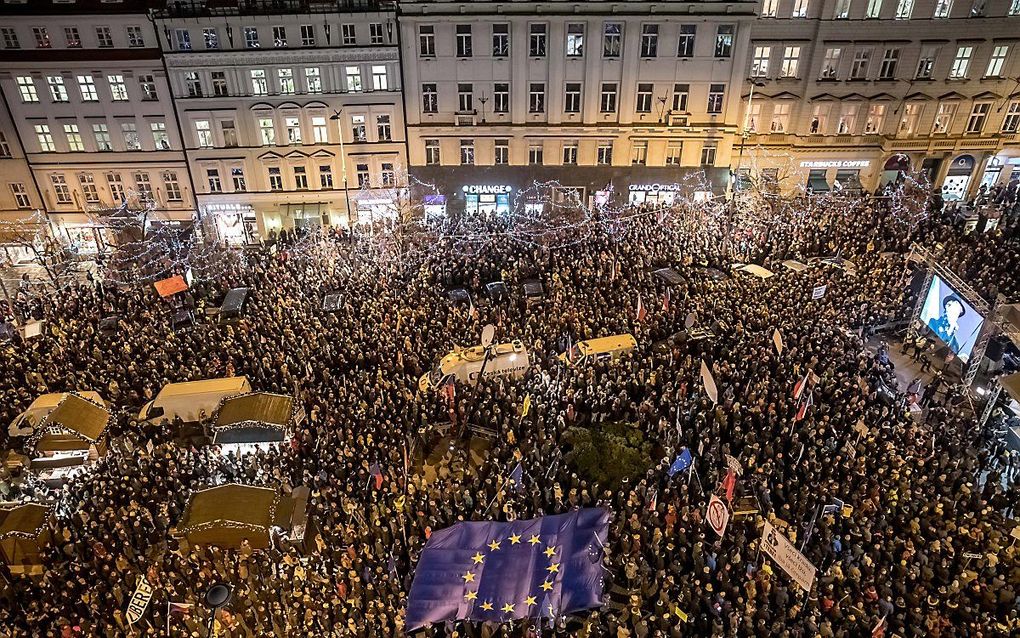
(653, 194)
(834, 175)
(487, 199)
(234, 223)
(895, 169)
(957, 182)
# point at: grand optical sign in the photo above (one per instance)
(836, 164)
(655, 188)
(487, 189)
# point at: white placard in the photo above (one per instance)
(779, 547)
(718, 516)
(818, 292)
(139, 601)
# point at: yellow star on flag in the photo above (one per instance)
(509, 608)
(478, 558)
(553, 567)
(494, 545)
(487, 605)
(469, 577)
(529, 601)
(515, 538)
(471, 595)
(546, 586)
(549, 551)
(534, 540)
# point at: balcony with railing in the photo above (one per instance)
(207, 8)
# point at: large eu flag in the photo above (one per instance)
(505, 571)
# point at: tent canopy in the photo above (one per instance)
(1011, 384)
(754, 269)
(259, 407)
(795, 265)
(227, 514)
(78, 422)
(23, 520)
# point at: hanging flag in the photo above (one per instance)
(804, 405)
(709, 381)
(798, 389)
(777, 339)
(377, 474)
(681, 462)
(641, 311)
(526, 407)
(516, 477)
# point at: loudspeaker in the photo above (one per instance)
(994, 350)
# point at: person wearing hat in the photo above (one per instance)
(947, 325)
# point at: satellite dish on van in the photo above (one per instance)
(691, 318)
(488, 334)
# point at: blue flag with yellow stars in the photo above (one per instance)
(499, 572)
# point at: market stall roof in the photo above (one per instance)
(795, 265)
(256, 408)
(754, 269)
(1010, 314)
(233, 504)
(1011, 384)
(75, 418)
(25, 520)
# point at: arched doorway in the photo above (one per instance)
(896, 167)
(954, 188)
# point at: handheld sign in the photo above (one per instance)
(779, 547)
(139, 601)
(818, 292)
(718, 516)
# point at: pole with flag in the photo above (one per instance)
(642, 312)
(709, 382)
(665, 301)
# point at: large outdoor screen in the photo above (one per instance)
(953, 320)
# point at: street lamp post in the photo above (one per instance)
(343, 162)
(745, 129)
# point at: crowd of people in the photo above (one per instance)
(924, 492)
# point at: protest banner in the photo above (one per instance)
(818, 292)
(776, 545)
(139, 601)
(717, 515)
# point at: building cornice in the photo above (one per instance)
(260, 57)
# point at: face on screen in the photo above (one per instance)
(953, 320)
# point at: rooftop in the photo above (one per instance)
(71, 7)
(200, 8)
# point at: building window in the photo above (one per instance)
(943, 8)
(570, 154)
(10, 38)
(780, 117)
(348, 35)
(830, 64)
(685, 45)
(326, 177)
(20, 195)
(911, 117)
(903, 9)
(118, 89)
(102, 134)
(358, 130)
(680, 94)
(708, 154)
(172, 186)
(143, 187)
(129, 131)
(724, 41)
(847, 124)
(148, 86)
(286, 79)
(45, 138)
(300, 178)
(116, 185)
(354, 79)
(251, 37)
(74, 142)
(307, 35)
(500, 40)
(159, 136)
(926, 62)
(639, 153)
(977, 9)
(876, 119)
(961, 63)
(279, 37)
(760, 62)
(572, 98)
(995, 62)
(5, 147)
(607, 101)
(716, 93)
(842, 11)
(363, 176)
(389, 177)
(604, 154)
(375, 33)
(219, 83)
(791, 62)
(536, 97)
(537, 40)
(431, 152)
(501, 152)
(313, 81)
(211, 37)
(467, 152)
(72, 40)
(501, 98)
(859, 66)
(135, 37)
(275, 178)
(944, 117)
(193, 84)
(800, 10)
(1014, 8)
(26, 87)
(379, 80)
(60, 189)
(104, 37)
(203, 133)
(42, 37)
(182, 37)
(87, 183)
(575, 40)
(465, 98)
(426, 40)
(237, 175)
(674, 151)
(890, 59)
(429, 98)
(229, 133)
(1011, 123)
(874, 9)
(978, 116)
(215, 184)
(612, 39)
(649, 40)
(57, 89)
(535, 154)
(320, 131)
(267, 131)
(644, 97)
(464, 48)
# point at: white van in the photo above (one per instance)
(505, 360)
(189, 400)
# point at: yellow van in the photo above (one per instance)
(599, 349)
(505, 360)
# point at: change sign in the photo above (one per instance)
(779, 547)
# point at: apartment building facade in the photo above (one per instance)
(281, 105)
(86, 91)
(848, 92)
(614, 102)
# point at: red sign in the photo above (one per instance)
(718, 516)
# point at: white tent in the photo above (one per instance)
(753, 269)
